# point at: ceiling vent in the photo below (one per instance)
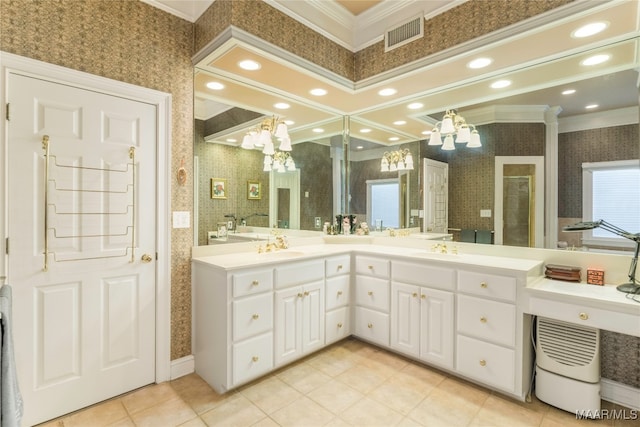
(404, 33)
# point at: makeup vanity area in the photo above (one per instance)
(467, 311)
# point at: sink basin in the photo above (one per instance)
(281, 254)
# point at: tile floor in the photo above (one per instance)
(349, 383)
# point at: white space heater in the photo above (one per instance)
(568, 366)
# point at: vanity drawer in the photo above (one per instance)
(488, 363)
(372, 326)
(252, 358)
(337, 292)
(252, 282)
(299, 273)
(337, 324)
(485, 319)
(372, 266)
(423, 275)
(372, 293)
(487, 285)
(252, 315)
(338, 265)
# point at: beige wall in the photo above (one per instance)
(132, 42)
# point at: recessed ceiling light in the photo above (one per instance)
(479, 63)
(359, 147)
(569, 92)
(415, 106)
(394, 138)
(365, 130)
(249, 65)
(318, 130)
(596, 59)
(215, 85)
(318, 92)
(232, 140)
(289, 122)
(387, 92)
(590, 29)
(282, 105)
(591, 106)
(400, 122)
(426, 132)
(501, 84)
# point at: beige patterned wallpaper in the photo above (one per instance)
(129, 41)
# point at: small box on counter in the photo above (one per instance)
(562, 272)
(595, 276)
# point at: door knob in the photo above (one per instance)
(146, 258)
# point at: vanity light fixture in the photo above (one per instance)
(454, 124)
(263, 136)
(396, 161)
(632, 286)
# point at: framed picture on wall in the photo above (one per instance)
(218, 188)
(254, 190)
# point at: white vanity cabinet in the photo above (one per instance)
(337, 294)
(372, 299)
(233, 324)
(299, 310)
(490, 347)
(422, 307)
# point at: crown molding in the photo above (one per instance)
(610, 118)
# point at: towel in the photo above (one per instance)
(12, 409)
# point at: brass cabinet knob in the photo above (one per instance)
(370, 293)
(300, 294)
(423, 296)
(483, 319)
(255, 283)
(339, 266)
(339, 324)
(415, 295)
(370, 267)
(255, 358)
(306, 293)
(483, 284)
(483, 362)
(255, 316)
(146, 258)
(370, 325)
(339, 293)
(584, 316)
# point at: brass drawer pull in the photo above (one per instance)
(584, 316)
(340, 267)
(339, 293)
(483, 285)
(370, 325)
(300, 294)
(255, 358)
(339, 324)
(306, 293)
(483, 362)
(370, 267)
(415, 295)
(483, 319)
(423, 296)
(255, 283)
(255, 316)
(370, 293)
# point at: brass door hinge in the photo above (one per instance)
(6, 246)
(7, 112)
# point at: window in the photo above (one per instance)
(383, 202)
(611, 191)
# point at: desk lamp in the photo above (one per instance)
(632, 286)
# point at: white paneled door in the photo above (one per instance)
(82, 244)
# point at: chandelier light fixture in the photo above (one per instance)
(454, 124)
(263, 137)
(396, 161)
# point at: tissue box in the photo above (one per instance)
(595, 276)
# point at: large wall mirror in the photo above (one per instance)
(530, 118)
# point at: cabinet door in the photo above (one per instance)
(288, 314)
(312, 321)
(436, 327)
(405, 318)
